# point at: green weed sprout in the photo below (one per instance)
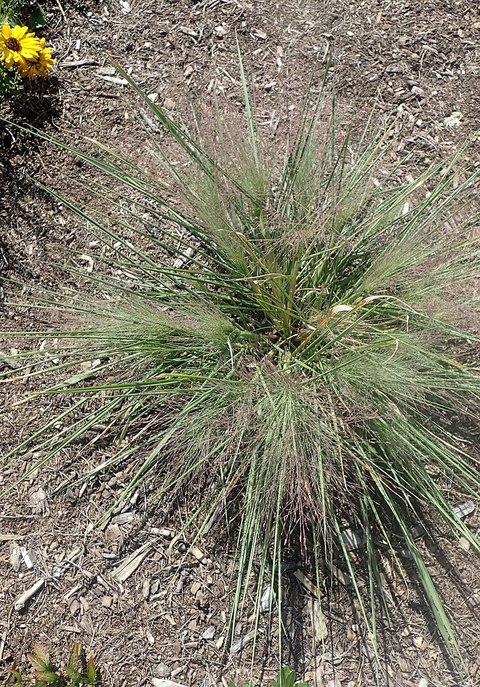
(284, 334)
(77, 673)
(285, 678)
(9, 10)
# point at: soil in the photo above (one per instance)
(418, 63)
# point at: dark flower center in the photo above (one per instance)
(13, 44)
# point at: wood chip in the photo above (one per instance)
(464, 509)
(419, 642)
(266, 602)
(9, 360)
(27, 558)
(113, 79)
(107, 601)
(308, 584)
(319, 625)
(38, 501)
(170, 619)
(199, 555)
(78, 63)
(146, 589)
(131, 563)
(24, 598)
(87, 258)
(209, 632)
(258, 33)
(123, 518)
(15, 557)
(352, 539)
(188, 31)
(246, 639)
(454, 120)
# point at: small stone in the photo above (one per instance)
(464, 544)
(169, 104)
(188, 71)
(416, 90)
(162, 670)
(209, 632)
(419, 642)
(107, 601)
(423, 682)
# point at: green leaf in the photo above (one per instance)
(39, 659)
(37, 18)
(286, 678)
(91, 675)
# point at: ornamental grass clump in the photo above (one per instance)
(281, 334)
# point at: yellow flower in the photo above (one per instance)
(17, 45)
(38, 66)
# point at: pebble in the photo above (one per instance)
(162, 670)
(209, 632)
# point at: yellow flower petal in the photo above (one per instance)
(19, 31)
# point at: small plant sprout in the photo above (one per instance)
(285, 678)
(79, 672)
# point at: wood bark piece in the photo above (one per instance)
(128, 566)
(24, 598)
